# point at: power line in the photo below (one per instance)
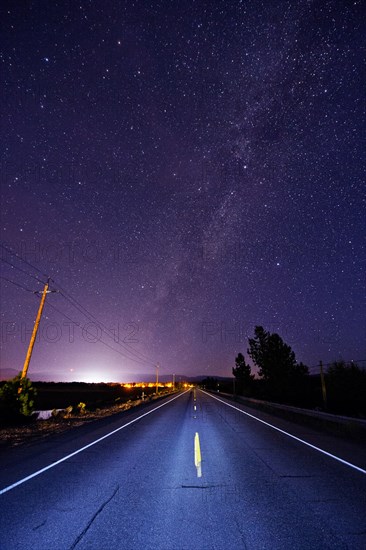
(90, 317)
(97, 320)
(346, 361)
(141, 357)
(88, 314)
(99, 340)
(23, 260)
(22, 270)
(16, 284)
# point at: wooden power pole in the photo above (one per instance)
(35, 329)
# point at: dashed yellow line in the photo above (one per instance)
(197, 455)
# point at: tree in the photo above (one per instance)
(346, 388)
(17, 399)
(276, 363)
(210, 383)
(242, 374)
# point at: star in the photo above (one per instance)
(163, 181)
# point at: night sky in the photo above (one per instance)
(185, 171)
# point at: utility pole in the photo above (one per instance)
(324, 389)
(173, 382)
(35, 329)
(157, 378)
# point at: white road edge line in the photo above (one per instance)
(38, 472)
(290, 435)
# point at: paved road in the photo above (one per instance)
(138, 488)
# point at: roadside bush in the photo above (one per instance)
(346, 389)
(16, 400)
(68, 410)
(81, 408)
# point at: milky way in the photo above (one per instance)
(185, 173)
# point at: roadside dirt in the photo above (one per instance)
(13, 436)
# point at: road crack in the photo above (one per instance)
(197, 486)
(290, 476)
(100, 509)
(40, 525)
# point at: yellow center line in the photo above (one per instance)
(197, 455)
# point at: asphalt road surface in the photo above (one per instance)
(190, 472)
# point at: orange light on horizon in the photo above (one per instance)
(146, 385)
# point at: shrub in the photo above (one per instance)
(346, 388)
(68, 410)
(17, 400)
(81, 407)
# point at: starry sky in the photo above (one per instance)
(183, 171)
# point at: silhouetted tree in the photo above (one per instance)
(243, 376)
(16, 400)
(346, 388)
(276, 364)
(210, 383)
